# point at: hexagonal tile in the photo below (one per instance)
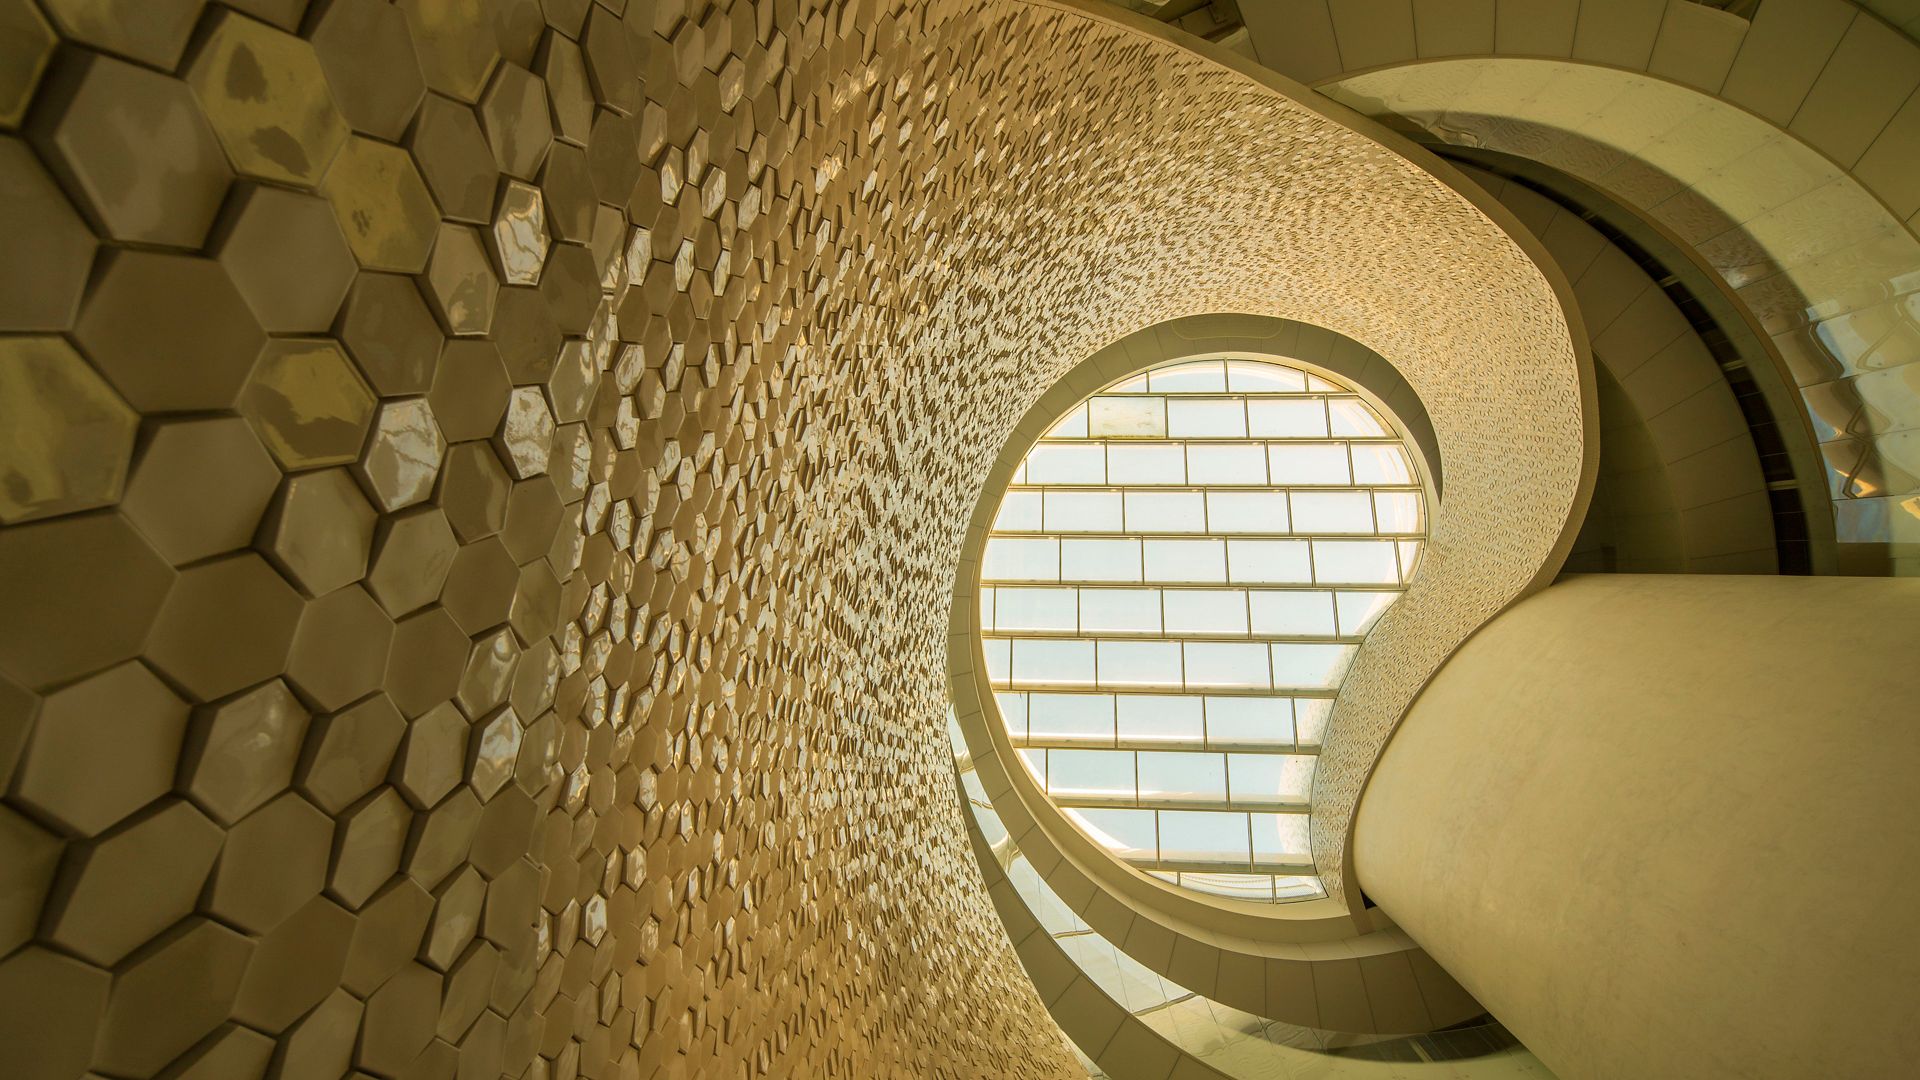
(52, 249)
(568, 186)
(264, 93)
(101, 749)
(381, 202)
(534, 511)
(55, 1006)
(26, 44)
(389, 934)
(169, 331)
(296, 966)
(288, 257)
(473, 491)
(571, 387)
(241, 752)
(65, 436)
(134, 151)
(444, 838)
(340, 651)
(411, 558)
(367, 53)
(391, 334)
(200, 487)
(524, 330)
(459, 281)
(470, 390)
(525, 437)
(319, 1046)
(352, 752)
(403, 455)
(518, 238)
(308, 404)
(230, 1053)
(489, 673)
(496, 750)
(456, 44)
(469, 985)
(565, 72)
(453, 155)
(456, 918)
(31, 855)
(274, 861)
(479, 590)
(227, 624)
(373, 836)
(82, 594)
(128, 886)
(429, 652)
(151, 31)
(320, 531)
(170, 996)
(513, 114)
(610, 66)
(284, 14)
(432, 758)
(569, 284)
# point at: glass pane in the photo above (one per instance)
(998, 665)
(1126, 611)
(1271, 778)
(1331, 512)
(1128, 417)
(1083, 511)
(1035, 609)
(1019, 512)
(1360, 610)
(1409, 559)
(1249, 721)
(1090, 774)
(1247, 512)
(1206, 418)
(1281, 838)
(1198, 377)
(1067, 463)
(1226, 463)
(1204, 836)
(1308, 463)
(1306, 665)
(1148, 463)
(1087, 717)
(1292, 614)
(1227, 664)
(1182, 777)
(1013, 711)
(1158, 718)
(1310, 716)
(1261, 377)
(1053, 662)
(1185, 560)
(1166, 511)
(1355, 562)
(1380, 463)
(1287, 418)
(1129, 834)
(1296, 888)
(1020, 560)
(1036, 763)
(1254, 887)
(1139, 663)
(1351, 416)
(986, 607)
(1269, 561)
(1100, 560)
(1206, 611)
(1071, 426)
(1397, 511)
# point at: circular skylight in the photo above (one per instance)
(1175, 584)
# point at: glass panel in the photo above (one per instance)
(1159, 718)
(1166, 511)
(1409, 559)
(1087, 717)
(986, 607)
(1310, 716)
(1139, 663)
(1054, 662)
(1129, 834)
(1100, 560)
(998, 666)
(1013, 711)
(1332, 512)
(1355, 562)
(1072, 426)
(1292, 614)
(1226, 463)
(1308, 463)
(1197, 377)
(1254, 887)
(1295, 418)
(1126, 611)
(1281, 838)
(1090, 774)
(1227, 664)
(1261, 377)
(1269, 561)
(1306, 665)
(1067, 463)
(1035, 609)
(1247, 512)
(1321, 386)
(1360, 610)
(1296, 888)
(1019, 512)
(1128, 417)
(1020, 560)
(1351, 416)
(1036, 763)
(1206, 418)
(1249, 721)
(1185, 560)
(1183, 777)
(1206, 611)
(1397, 511)
(1083, 511)
(1381, 463)
(1204, 836)
(1271, 778)
(1148, 463)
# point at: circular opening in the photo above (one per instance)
(1176, 581)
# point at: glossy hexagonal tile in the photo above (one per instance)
(131, 884)
(495, 752)
(352, 751)
(231, 1050)
(444, 838)
(525, 437)
(372, 837)
(102, 748)
(263, 91)
(308, 404)
(432, 757)
(52, 249)
(473, 491)
(610, 66)
(170, 995)
(82, 594)
(340, 651)
(514, 117)
(226, 625)
(460, 283)
(479, 590)
(399, 1020)
(319, 1046)
(65, 436)
(381, 202)
(133, 150)
(470, 390)
(456, 918)
(153, 32)
(284, 14)
(242, 751)
(391, 334)
(367, 53)
(403, 455)
(564, 70)
(518, 238)
(55, 1006)
(296, 966)
(169, 331)
(411, 558)
(423, 669)
(525, 331)
(200, 487)
(391, 926)
(287, 256)
(320, 531)
(26, 45)
(453, 156)
(456, 44)
(274, 861)
(568, 185)
(32, 854)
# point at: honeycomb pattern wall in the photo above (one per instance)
(478, 485)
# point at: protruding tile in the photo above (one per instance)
(133, 883)
(381, 202)
(525, 331)
(200, 487)
(525, 437)
(352, 752)
(567, 184)
(534, 612)
(411, 558)
(227, 624)
(565, 72)
(479, 590)
(308, 404)
(242, 751)
(460, 283)
(444, 838)
(391, 928)
(575, 378)
(469, 984)
(423, 670)
(55, 1003)
(169, 331)
(51, 249)
(26, 44)
(489, 673)
(31, 854)
(231, 1053)
(496, 750)
(513, 114)
(289, 259)
(320, 531)
(473, 491)
(470, 390)
(456, 918)
(372, 837)
(340, 651)
(82, 593)
(320, 1045)
(456, 44)
(133, 150)
(171, 995)
(274, 861)
(610, 66)
(391, 334)
(284, 14)
(101, 749)
(453, 155)
(403, 455)
(65, 436)
(518, 239)
(432, 757)
(264, 93)
(154, 32)
(367, 53)
(296, 966)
